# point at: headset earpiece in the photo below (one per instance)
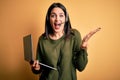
(66, 20)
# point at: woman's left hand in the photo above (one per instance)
(87, 37)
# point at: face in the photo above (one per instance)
(57, 20)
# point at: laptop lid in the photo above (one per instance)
(28, 51)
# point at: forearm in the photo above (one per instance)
(81, 59)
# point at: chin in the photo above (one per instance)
(57, 31)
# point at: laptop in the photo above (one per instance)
(28, 51)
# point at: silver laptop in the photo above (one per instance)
(28, 51)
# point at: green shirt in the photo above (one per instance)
(63, 54)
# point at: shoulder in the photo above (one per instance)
(42, 37)
(75, 32)
(76, 35)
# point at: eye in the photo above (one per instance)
(52, 15)
(61, 15)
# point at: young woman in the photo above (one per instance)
(60, 47)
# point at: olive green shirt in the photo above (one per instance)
(63, 54)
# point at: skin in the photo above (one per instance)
(88, 36)
(57, 21)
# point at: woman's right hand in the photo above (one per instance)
(36, 65)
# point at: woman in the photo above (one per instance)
(60, 47)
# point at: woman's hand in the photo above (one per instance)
(36, 65)
(87, 37)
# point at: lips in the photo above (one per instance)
(57, 25)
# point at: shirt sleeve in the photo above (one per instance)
(80, 55)
(38, 57)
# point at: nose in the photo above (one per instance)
(57, 18)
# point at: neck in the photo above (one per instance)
(56, 35)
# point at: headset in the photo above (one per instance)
(67, 17)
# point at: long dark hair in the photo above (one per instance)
(67, 26)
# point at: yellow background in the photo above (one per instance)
(21, 17)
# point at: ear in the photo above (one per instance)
(47, 18)
(66, 19)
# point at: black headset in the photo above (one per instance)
(67, 16)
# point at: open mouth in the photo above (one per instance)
(58, 24)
